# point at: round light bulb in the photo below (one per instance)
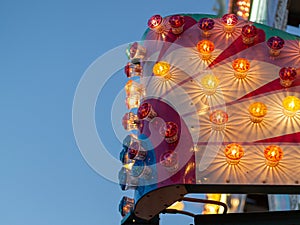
(162, 69)
(241, 67)
(169, 131)
(130, 87)
(233, 152)
(205, 48)
(169, 160)
(126, 206)
(287, 76)
(291, 105)
(206, 25)
(229, 22)
(218, 119)
(133, 101)
(249, 32)
(257, 111)
(130, 121)
(156, 24)
(133, 69)
(177, 23)
(133, 88)
(275, 45)
(136, 151)
(146, 112)
(273, 155)
(209, 84)
(136, 52)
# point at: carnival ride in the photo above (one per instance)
(213, 107)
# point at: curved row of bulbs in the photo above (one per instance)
(134, 153)
(218, 118)
(135, 92)
(240, 66)
(249, 32)
(257, 112)
(234, 152)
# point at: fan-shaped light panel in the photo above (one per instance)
(237, 64)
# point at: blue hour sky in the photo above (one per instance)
(45, 48)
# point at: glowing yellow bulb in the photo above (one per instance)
(129, 87)
(134, 88)
(205, 47)
(257, 111)
(241, 66)
(273, 155)
(209, 84)
(291, 105)
(162, 69)
(133, 101)
(233, 152)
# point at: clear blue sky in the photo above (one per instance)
(45, 48)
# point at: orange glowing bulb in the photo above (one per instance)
(257, 111)
(233, 152)
(241, 66)
(273, 155)
(205, 47)
(291, 105)
(162, 69)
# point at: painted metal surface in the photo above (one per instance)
(201, 163)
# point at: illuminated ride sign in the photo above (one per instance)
(213, 108)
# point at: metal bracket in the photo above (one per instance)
(261, 218)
